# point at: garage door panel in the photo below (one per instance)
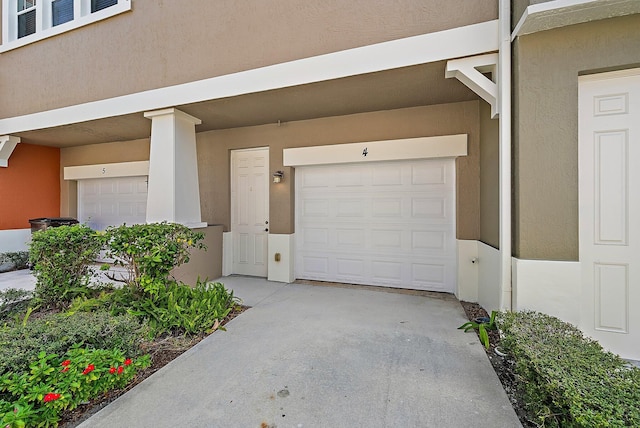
(316, 267)
(389, 224)
(350, 267)
(387, 207)
(104, 202)
(349, 238)
(435, 174)
(391, 239)
(388, 176)
(315, 208)
(350, 208)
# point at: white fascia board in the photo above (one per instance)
(106, 170)
(559, 13)
(376, 151)
(442, 45)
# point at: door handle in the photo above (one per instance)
(266, 229)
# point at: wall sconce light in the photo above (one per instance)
(278, 176)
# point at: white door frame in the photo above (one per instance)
(251, 270)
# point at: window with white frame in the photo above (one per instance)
(27, 21)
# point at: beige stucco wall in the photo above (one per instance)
(161, 43)
(128, 151)
(214, 148)
(545, 127)
(214, 156)
(203, 264)
(489, 177)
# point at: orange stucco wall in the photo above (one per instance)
(29, 186)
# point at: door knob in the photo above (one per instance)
(266, 229)
(266, 222)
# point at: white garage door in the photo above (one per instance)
(383, 223)
(106, 202)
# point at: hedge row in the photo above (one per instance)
(566, 379)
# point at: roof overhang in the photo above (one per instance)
(560, 13)
(401, 73)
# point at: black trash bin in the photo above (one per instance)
(45, 222)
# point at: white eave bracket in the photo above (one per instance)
(7, 144)
(470, 72)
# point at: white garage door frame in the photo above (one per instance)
(381, 151)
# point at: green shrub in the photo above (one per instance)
(151, 250)
(56, 333)
(61, 258)
(181, 309)
(568, 380)
(52, 384)
(13, 301)
(20, 259)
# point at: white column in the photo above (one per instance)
(7, 144)
(173, 192)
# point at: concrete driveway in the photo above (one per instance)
(317, 356)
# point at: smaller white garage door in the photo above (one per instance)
(104, 202)
(384, 223)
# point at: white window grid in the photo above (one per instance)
(44, 20)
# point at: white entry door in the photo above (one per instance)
(609, 155)
(390, 224)
(250, 210)
(104, 202)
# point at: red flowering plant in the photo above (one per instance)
(37, 398)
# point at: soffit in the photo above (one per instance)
(414, 86)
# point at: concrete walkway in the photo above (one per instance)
(315, 356)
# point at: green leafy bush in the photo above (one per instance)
(568, 380)
(482, 327)
(61, 258)
(151, 250)
(13, 301)
(37, 396)
(19, 259)
(56, 333)
(181, 309)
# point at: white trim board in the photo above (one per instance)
(442, 45)
(375, 151)
(106, 170)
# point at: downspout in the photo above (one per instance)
(504, 103)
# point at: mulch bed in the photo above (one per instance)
(503, 366)
(162, 350)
